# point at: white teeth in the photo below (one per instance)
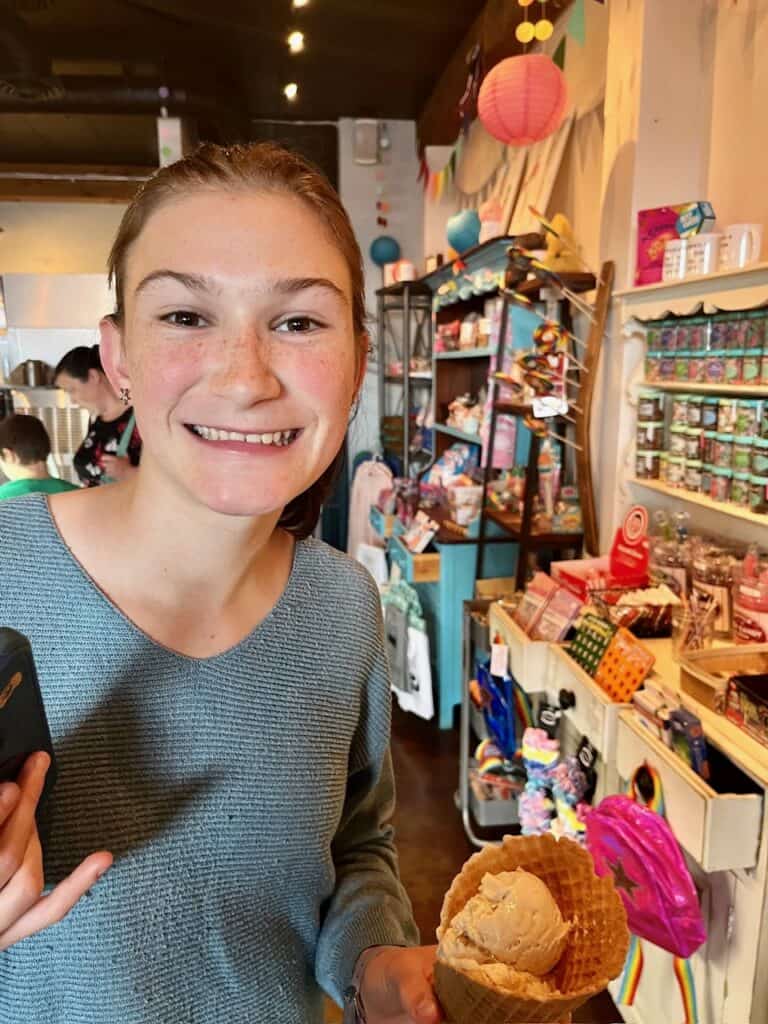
(278, 438)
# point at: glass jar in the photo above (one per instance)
(682, 358)
(734, 366)
(740, 490)
(753, 358)
(720, 331)
(726, 415)
(652, 367)
(754, 331)
(698, 334)
(721, 483)
(653, 337)
(668, 336)
(649, 436)
(712, 576)
(650, 405)
(697, 367)
(679, 413)
(758, 494)
(706, 477)
(693, 443)
(693, 475)
(716, 366)
(764, 420)
(663, 463)
(709, 413)
(760, 456)
(675, 470)
(708, 445)
(647, 465)
(723, 451)
(677, 440)
(748, 413)
(694, 409)
(667, 367)
(764, 367)
(742, 454)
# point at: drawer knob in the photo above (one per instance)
(567, 699)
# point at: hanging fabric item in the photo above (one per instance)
(468, 101)
(407, 646)
(371, 478)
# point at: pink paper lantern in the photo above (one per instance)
(522, 99)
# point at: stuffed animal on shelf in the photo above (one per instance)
(563, 251)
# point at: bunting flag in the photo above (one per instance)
(558, 57)
(577, 23)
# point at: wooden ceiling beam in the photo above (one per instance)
(494, 29)
(59, 183)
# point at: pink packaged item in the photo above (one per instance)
(635, 845)
(665, 224)
(537, 594)
(559, 614)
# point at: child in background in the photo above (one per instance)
(24, 449)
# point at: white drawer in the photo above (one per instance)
(721, 832)
(593, 713)
(528, 659)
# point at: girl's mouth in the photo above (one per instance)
(276, 438)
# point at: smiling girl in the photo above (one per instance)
(215, 680)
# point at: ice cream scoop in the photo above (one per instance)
(512, 920)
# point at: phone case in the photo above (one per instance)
(23, 723)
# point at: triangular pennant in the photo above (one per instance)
(559, 55)
(576, 23)
(439, 188)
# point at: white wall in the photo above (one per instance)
(397, 176)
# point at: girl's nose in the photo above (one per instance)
(244, 373)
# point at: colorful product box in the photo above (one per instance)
(657, 227)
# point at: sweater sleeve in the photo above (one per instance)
(369, 906)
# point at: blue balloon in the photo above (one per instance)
(463, 230)
(385, 249)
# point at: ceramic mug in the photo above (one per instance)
(741, 245)
(675, 259)
(703, 254)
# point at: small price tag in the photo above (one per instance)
(499, 659)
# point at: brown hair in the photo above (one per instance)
(261, 167)
(26, 437)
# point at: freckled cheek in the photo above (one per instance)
(327, 381)
(161, 374)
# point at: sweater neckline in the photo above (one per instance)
(282, 606)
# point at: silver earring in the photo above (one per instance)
(125, 396)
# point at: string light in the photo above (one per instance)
(300, 3)
(296, 42)
(291, 91)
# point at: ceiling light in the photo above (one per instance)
(300, 3)
(296, 42)
(291, 91)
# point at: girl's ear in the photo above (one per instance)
(112, 354)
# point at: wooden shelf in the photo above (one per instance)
(514, 408)
(466, 353)
(394, 378)
(576, 282)
(511, 524)
(720, 277)
(744, 390)
(693, 498)
(443, 428)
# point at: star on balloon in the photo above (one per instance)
(622, 880)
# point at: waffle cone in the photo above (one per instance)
(597, 943)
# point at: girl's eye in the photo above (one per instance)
(184, 318)
(297, 325)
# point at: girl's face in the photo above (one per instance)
(88, 394)
(238, 347)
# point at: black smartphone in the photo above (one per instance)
(23, 724)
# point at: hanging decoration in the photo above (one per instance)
(468, 101)
(463, 230)
(528, 30)
(384, 249)
(523, 99)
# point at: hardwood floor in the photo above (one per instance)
(430, 838)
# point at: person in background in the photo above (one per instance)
(105, 455)
(24, 448)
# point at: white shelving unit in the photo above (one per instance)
(702, 501)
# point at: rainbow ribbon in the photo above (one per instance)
(684, 975)
(523, 707)
(633, 968)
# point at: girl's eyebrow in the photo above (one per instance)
(283, 286)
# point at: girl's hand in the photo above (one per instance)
(396, 986)
(117, 467)
(24, 910)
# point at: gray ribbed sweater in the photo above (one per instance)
(244, 797)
